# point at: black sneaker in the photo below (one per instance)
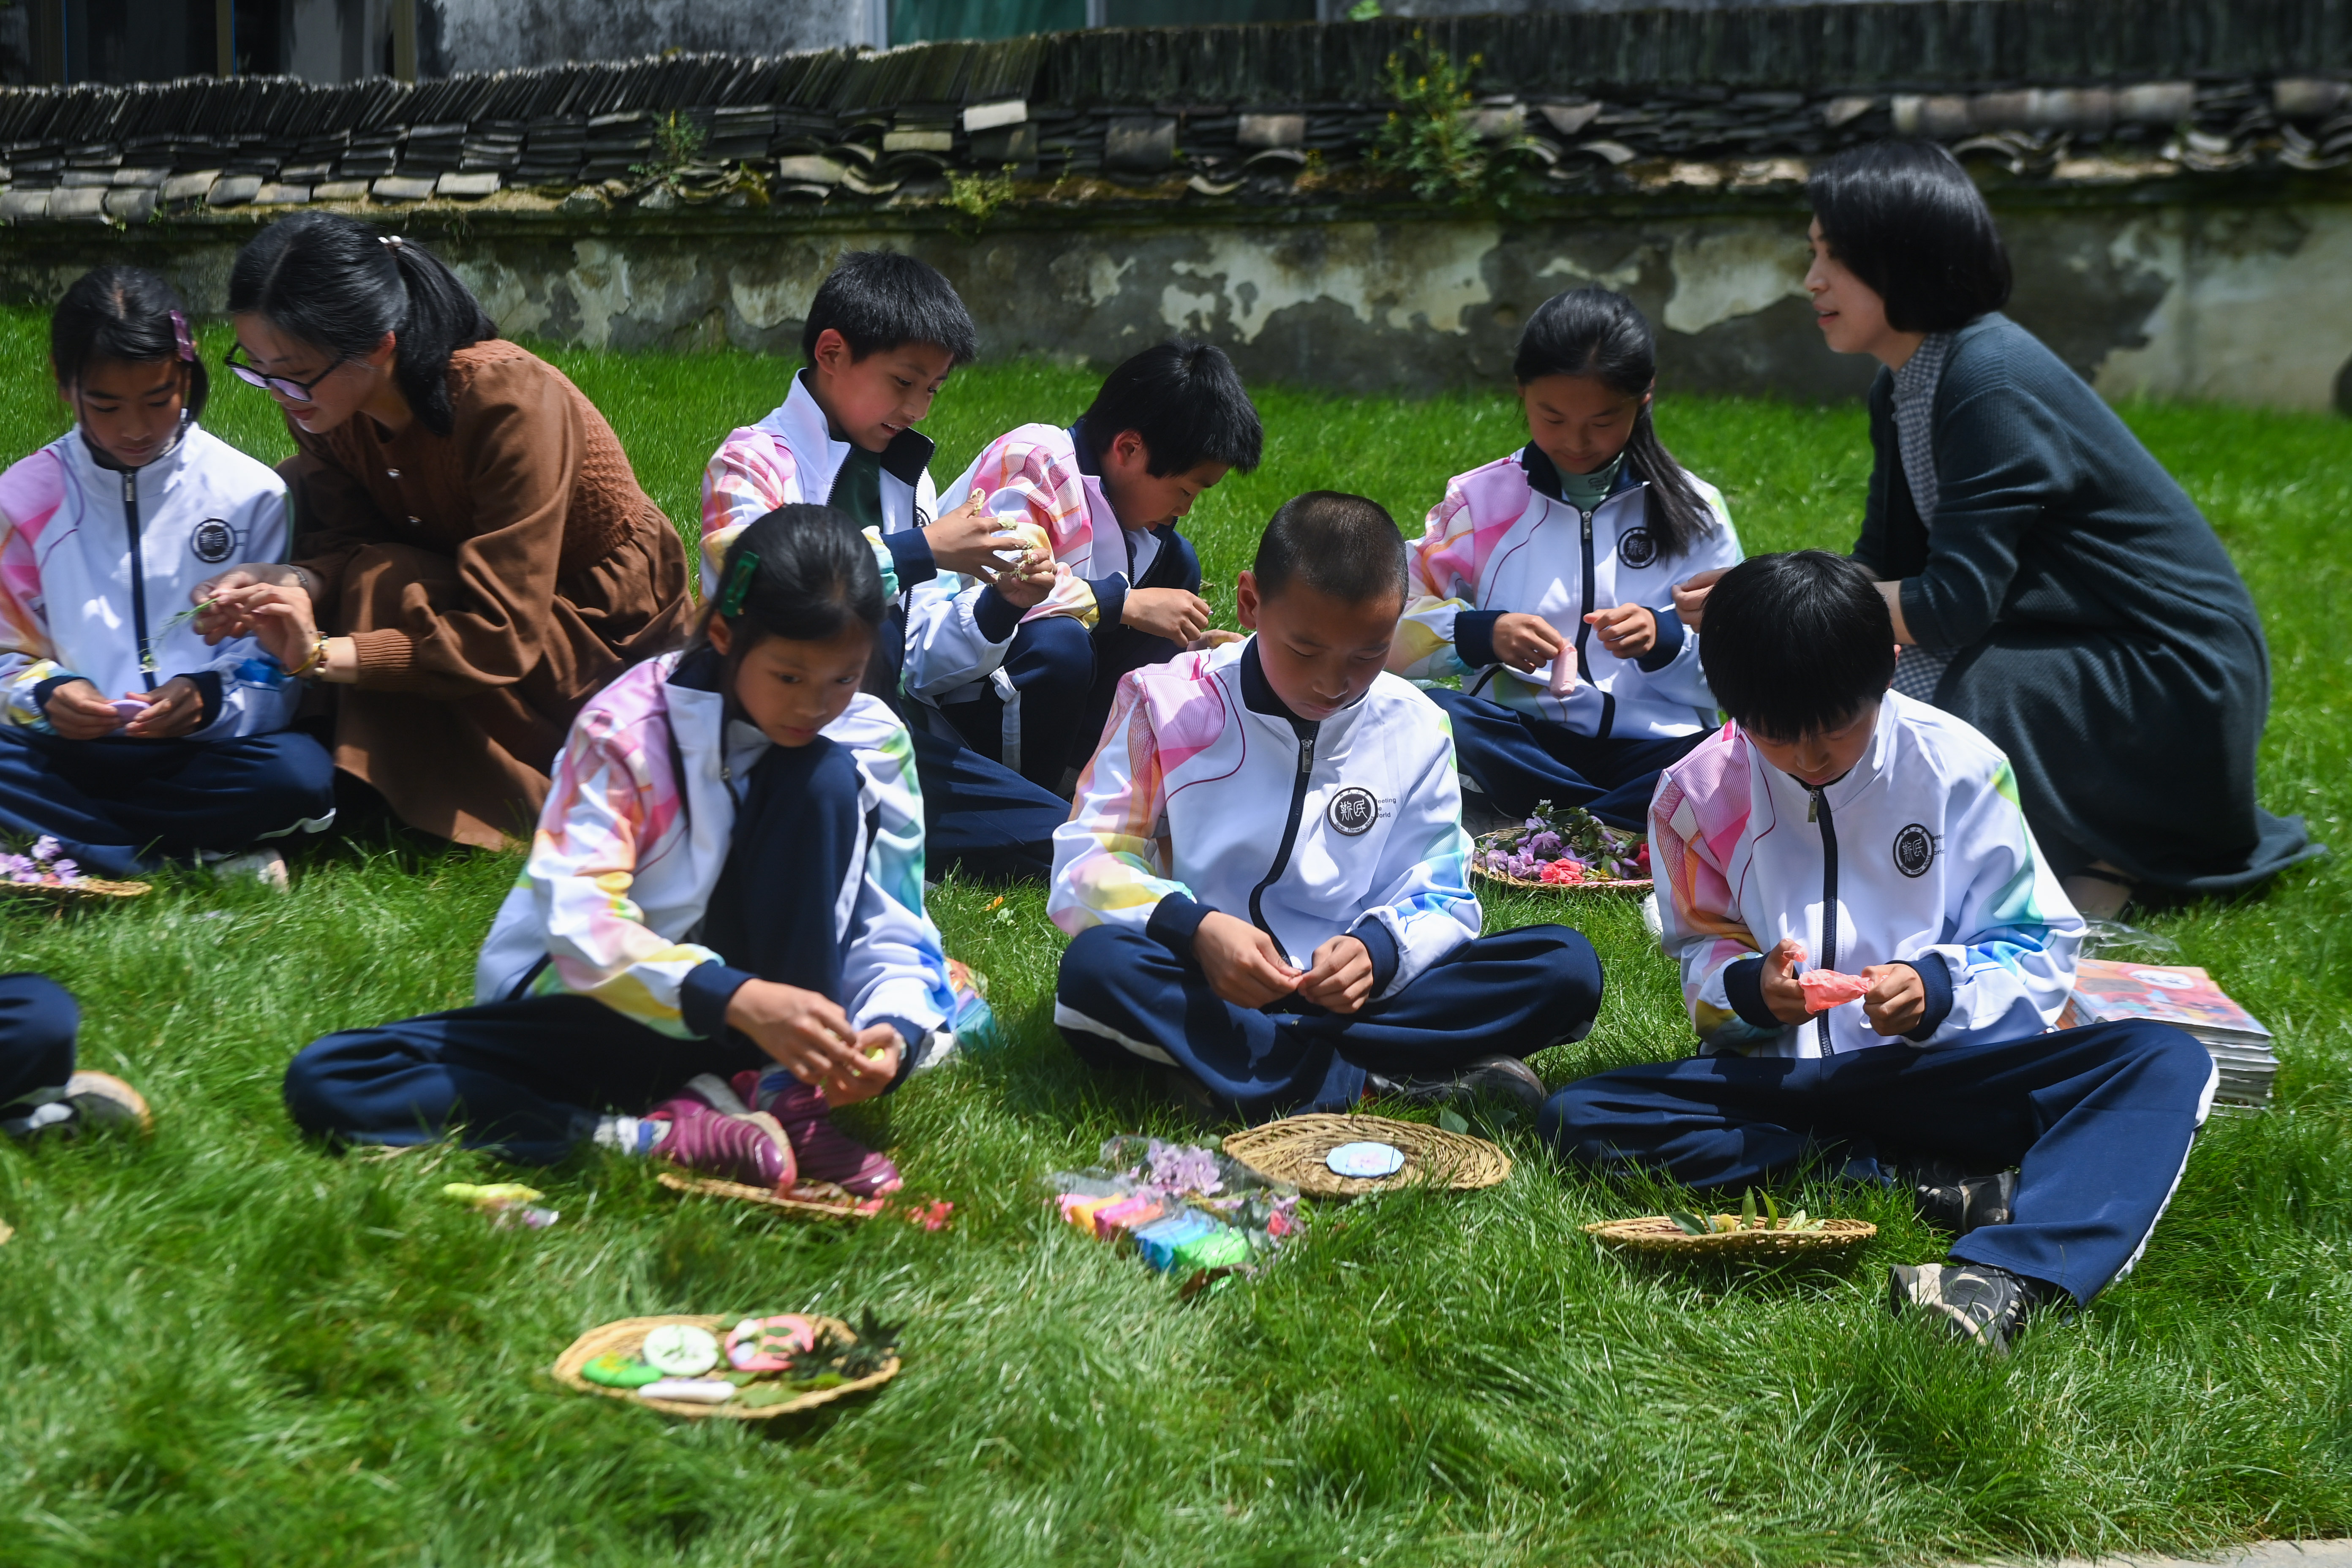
(1975, 1301)
(1950, 1198)
(1504, 1076)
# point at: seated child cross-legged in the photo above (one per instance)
(722, 917)
(1545, 580)
(122, 735)
(1104, 497)
(882, 334)
(1836, 823)
(1264, 871)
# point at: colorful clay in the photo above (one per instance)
(769, 1344)
(1826, 988)
(1157, 1241)
(492, 1196)
(1080, 1210)
(1365, 1160)
(680, 1350)
(690, 1390)
(1114, 1219)
(619, 1371)
(1220, 1248)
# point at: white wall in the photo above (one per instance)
(501, 34)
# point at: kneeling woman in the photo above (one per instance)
(474, 555)
(728, 877)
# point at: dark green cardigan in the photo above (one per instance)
(2104, 641)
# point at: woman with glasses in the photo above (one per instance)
(473, 555)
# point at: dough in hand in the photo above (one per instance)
(1826, 988)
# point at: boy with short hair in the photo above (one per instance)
(1836, 822)
(1264, 871)
(1104, 497)
(882, 335)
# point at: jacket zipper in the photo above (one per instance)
(1584, 631)
(1821, 812)
(1289, 828)
(138, 579)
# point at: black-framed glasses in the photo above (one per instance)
(284, 385)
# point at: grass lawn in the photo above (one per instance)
(228, 1347)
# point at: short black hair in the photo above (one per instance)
(806, 575)
(1905, 219)
(1796, 642)
(878, 299)
(1186, 401)
(125, 313)
(1339, 544)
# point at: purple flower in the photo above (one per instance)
(1180, 1167)
(65, 870)
(10, 865)
(46, 847)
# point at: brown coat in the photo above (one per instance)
(490, 580)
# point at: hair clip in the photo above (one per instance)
(738, 584)
(181, 337)
(389, 241)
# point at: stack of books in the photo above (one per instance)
(2184, 996)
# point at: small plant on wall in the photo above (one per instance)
(1432, 142)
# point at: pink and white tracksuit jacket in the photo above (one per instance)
(1497, 543)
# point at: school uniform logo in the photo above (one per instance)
(213, 540)
(1636, 548)
(1352, 811)
(1915, 850)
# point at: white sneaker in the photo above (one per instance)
(264, 866)
(1652, 921)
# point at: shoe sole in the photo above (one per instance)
(102, 1100)
(1920, 1286)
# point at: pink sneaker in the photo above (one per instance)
(711, 1141)
(825, 1152)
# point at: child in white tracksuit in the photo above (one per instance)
(1265, 869)
(1545, 580)
(1836, 826)
(123, 735)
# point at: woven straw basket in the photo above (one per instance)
(625, 1337)
(1656, 1233)
(1292, 1149)
(845, 1208)
(74, 892)
(1625, 886)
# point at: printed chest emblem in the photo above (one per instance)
(1915, 849)
(214, 541)
(1352, 811)
(1636, 548)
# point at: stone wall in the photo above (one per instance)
(2170, 289)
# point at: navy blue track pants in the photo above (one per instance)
(2098, 1121)
(38, 1019)
(528, 1076)
(119, 807)
(1124, 996)
(1519, 761)
(1063, 677)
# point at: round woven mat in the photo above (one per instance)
(845, 1208)
(1656, 1233)
(74, 892)
(1596, 886)
(1292, 1149)
(626, 1337)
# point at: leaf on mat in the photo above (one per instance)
(1689, 1224)
(1451, 1121)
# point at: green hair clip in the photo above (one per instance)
(738, 584)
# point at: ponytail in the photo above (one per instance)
(1596, 332)
(339, 285)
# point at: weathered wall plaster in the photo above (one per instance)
(2247, 304)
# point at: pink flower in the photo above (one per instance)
(1563, 872)
(934, 1217)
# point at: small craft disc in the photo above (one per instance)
(1365, 1160)
(680, 1350)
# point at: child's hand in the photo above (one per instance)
(1171, 613)
(1629, 631)
(77, 712)
(1241, 962)
(1026, 587)
(173, 710)
(1215, 637)
(1783, 997)
(805, 1031)
(1525, 642)
(1341, 977)
(878, 1047)
(1896, 1002)
(966, 539)
(1690, 595)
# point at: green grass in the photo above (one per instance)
(228, 1347)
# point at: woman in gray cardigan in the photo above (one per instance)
(2051, 583)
